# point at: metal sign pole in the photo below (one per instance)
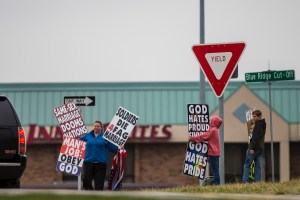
(271, 131)
(222, 149)
(202, 77)
(79, 177)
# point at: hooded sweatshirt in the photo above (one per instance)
(212, 136)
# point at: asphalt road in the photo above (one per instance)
(154, 195)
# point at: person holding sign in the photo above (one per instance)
(255, 147)
(96, 157)
(212, 136)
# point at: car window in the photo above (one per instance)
(7, 115)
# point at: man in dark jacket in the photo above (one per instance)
(256, 147)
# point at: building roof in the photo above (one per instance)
(153, 102)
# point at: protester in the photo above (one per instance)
(212, 136)
(255, 147)
(96, 157)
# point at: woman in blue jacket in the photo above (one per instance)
(96, 157)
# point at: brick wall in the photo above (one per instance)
(153, 163)
(41, 164)
(161, 163)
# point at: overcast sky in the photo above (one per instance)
(140, 40)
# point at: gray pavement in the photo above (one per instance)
(154, 195)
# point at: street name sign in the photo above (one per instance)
(80, 100)
(218, 62)
(270, 76)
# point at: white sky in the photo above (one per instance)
(140, 40)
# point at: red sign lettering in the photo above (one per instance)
(53, 134)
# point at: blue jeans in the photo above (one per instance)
(257, 157)
(214, 165)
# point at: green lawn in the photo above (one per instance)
(286, 190)
(268, 188)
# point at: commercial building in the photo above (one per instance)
(156, 148)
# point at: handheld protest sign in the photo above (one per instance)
(198, 119)
(196, 153)
(69, 120)
(120, 127)
(71, 156)
(196, 159)
(72, 151)
(250, 124)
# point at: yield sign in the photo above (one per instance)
(218, 62)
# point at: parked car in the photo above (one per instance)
(12, 146)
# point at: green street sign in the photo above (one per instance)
(270, 76)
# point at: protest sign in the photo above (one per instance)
(71, 156)
(250, 123)
(196, 154)
(250, 127)
(198, 119)
(119, 129)
(69, 120)
(196, 159)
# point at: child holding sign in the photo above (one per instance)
(212, 136)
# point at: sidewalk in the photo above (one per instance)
(73, 185)
(151, 194)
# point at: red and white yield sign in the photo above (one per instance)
(218, 62)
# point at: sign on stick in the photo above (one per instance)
(69, 120)
(71, 156)
(218, 62)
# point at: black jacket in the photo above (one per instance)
(258, 136)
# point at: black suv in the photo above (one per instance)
(12, 146)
